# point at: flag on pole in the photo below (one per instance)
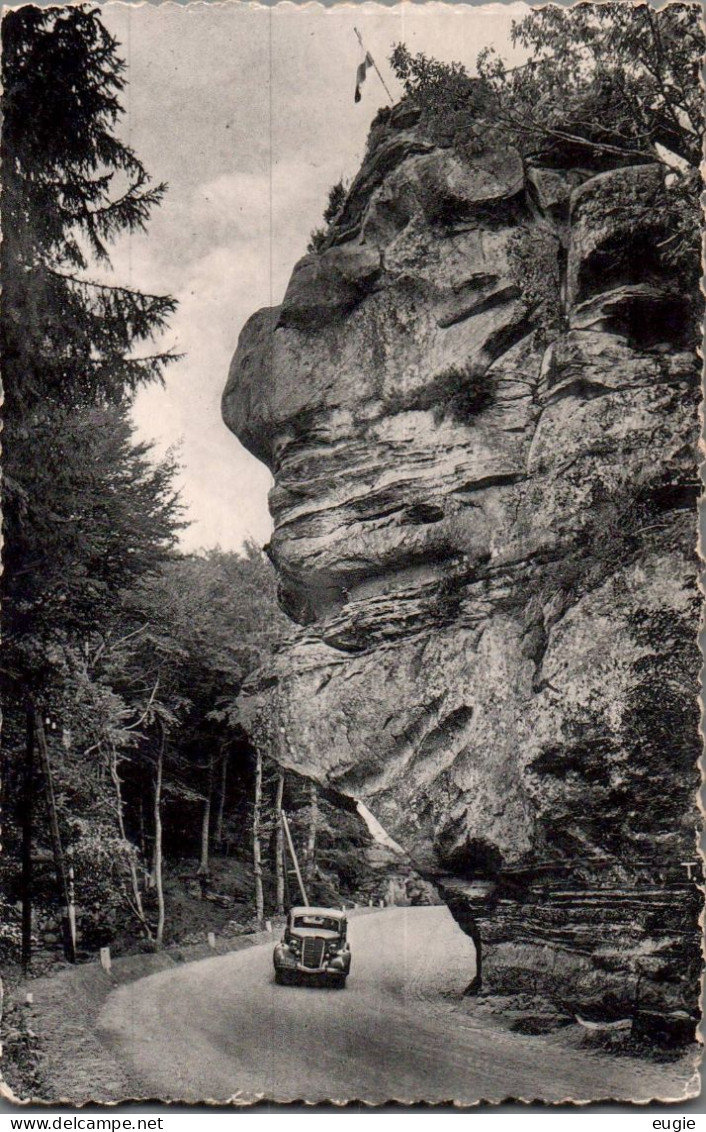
(361, 73)
(363, 69)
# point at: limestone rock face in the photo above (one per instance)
(484, 527)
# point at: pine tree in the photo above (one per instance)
(70, 186)
(85, 511)
(83, 514)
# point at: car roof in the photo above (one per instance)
(302, 911)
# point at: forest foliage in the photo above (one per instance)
(122, 658)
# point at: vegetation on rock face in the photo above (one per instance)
(466, 394)
(533, 256)
(605, 85)
(453, 104)
(336, 197)
(609, 82)
(460, 393)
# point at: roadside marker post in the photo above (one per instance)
(211, 939)
(105, 959)
(268, 926)
(290, 845)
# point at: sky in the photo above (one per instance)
(247, 112)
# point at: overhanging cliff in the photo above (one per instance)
(478, 402)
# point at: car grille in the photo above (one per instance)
(312, 952)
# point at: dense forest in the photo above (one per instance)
(137, 810)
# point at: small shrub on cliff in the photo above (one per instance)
(468, 392)
(336, 197)
(533, 253)
(459, 392)
(450, 100)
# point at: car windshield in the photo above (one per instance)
(327, 923)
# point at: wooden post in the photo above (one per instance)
(105, 959)
(59, 863)
(72, 908)
(290, 845)
(27, 808)
(279, 845)
(211, 939)
(285, 870)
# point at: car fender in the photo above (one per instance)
(282, 956)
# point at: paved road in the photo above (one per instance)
(221, 1028)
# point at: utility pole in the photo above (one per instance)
(287, 834)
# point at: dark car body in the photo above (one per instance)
(314, 945)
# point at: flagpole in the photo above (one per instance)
(377, 69)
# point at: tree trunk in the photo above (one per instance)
(59, 862)
(256, 847)
(218, 833)
(149, 878)
(206, 819)
(136, 902)
(279, 844)
(158, 840)
(310, 856)
(27, 807)
(143, 841)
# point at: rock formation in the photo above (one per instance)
(478, 402)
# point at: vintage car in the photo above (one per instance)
(314, 944)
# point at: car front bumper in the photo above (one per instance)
(284, 960)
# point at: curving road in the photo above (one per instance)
(221, 1029)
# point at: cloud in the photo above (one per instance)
(247, 112)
